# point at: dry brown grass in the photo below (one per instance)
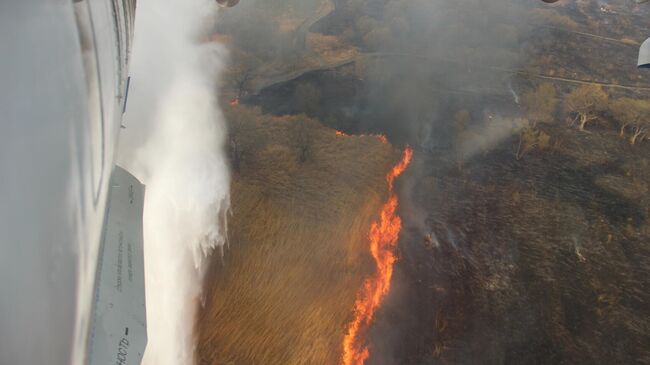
(298, 251)
(328, 49)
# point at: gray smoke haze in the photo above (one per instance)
(424, 60)
(173, 142)
(436, 56)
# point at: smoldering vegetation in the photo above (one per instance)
(520, 261)
(525, 229)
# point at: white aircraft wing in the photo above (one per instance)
(644, 55)
(119, 334)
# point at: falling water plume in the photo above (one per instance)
(173, 142)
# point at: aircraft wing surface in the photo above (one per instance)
(644, 55)
(120, 330)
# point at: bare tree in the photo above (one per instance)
(639, 132)
(540, 103)
(302, 137)
(529, 139)
(241, 72)
(632, 113)
(243, 138)
(585, 104)
(462, 118)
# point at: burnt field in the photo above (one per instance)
(542, 259)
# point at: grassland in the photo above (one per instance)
(283, 291)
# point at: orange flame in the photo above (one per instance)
(383, 242)
(380, 137)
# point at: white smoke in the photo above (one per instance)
(487, 135)
(515, 96)
(173, 143)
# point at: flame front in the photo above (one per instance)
(383, 242)
(380, 137)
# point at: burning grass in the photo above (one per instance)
(383, 243)
(303, 200)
